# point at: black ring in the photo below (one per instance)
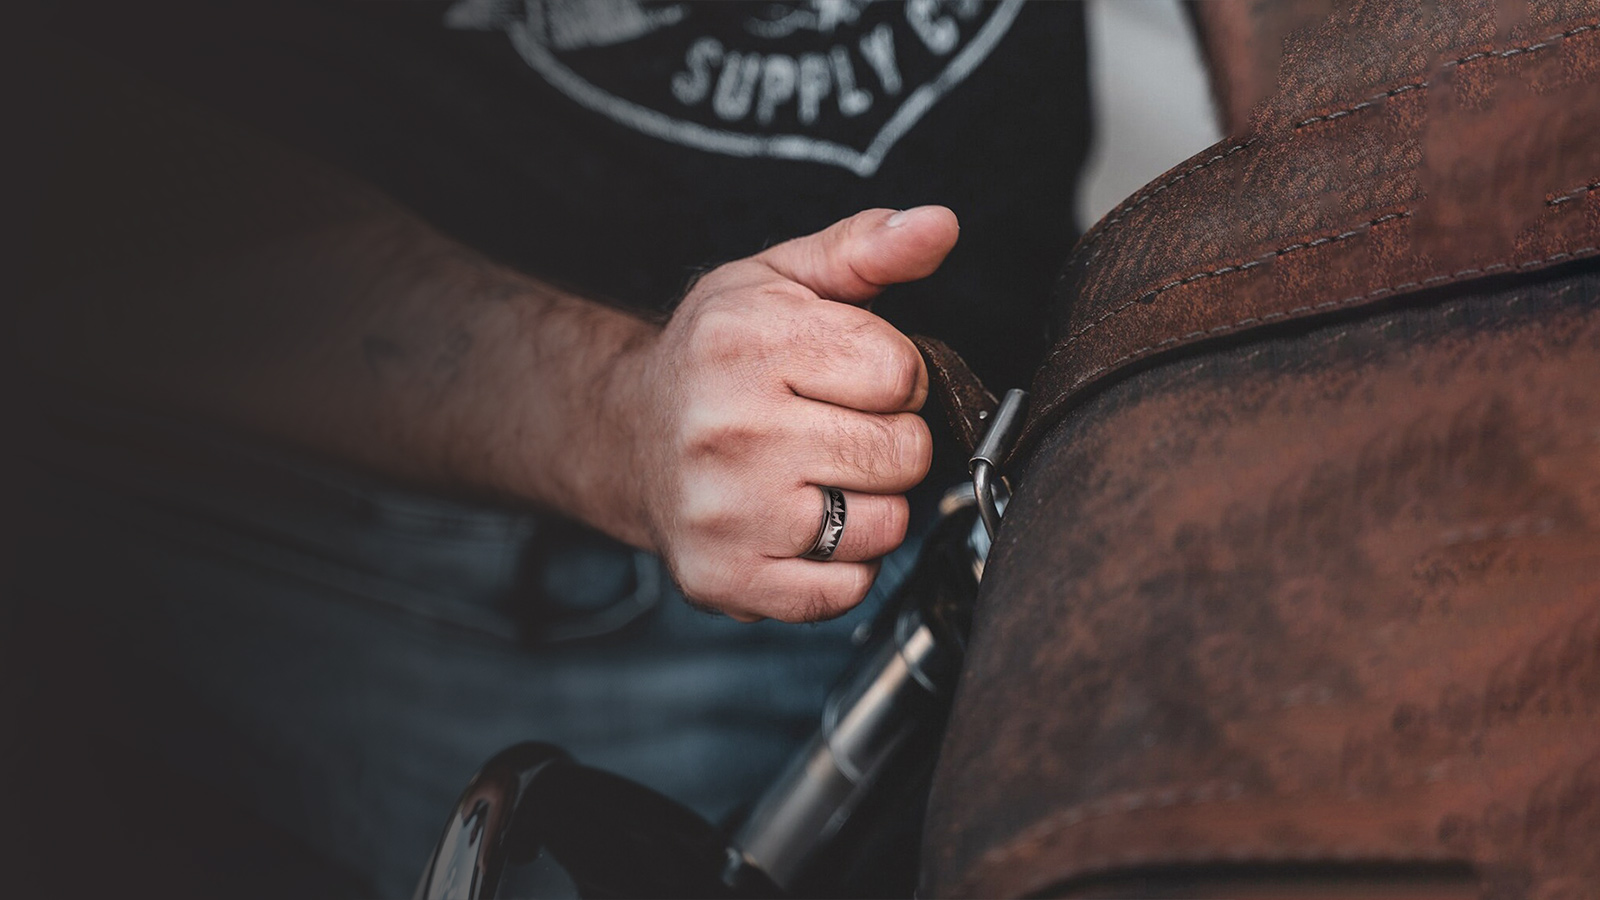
(832, 530)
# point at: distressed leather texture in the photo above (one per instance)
(1303, 567)
(1407, 145)
(1331, 598)
(966, 402)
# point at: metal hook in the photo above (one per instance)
(985, 462)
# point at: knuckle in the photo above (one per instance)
(722, 335)
(712, 581)
(707, 513)
(894, 524)
(904, 376)
(753, 324)
(704, 284)
(866, 445)
(781, 292)
(884, 530)
(864, 575)
(890, 445)
(915, 452)
(824, 600)
(803, 528)
(719, 431)
(857, 227)
(889, 449)
(785, 327)
(731, 278)
(814, 604)
(889, 363)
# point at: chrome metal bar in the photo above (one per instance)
(888, 708)
(862, 726)
(991, 452)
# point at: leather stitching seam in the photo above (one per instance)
(1542, 43)
(1370, 101)
(1573, 194)
(1139, 200)
(1150, 296)
(1326, 305)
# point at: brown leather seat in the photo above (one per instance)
(1300, 590)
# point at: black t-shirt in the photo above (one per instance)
(618, 147)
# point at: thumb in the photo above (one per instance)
(855, 258)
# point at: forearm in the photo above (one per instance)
(455, 371)
(442, 367)
(187, 265)
(374, 340)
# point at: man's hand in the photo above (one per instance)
(306, 307)
(770, 379)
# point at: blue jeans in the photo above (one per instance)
(336, 655)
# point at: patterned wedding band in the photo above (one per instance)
(832, 525)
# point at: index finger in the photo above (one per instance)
(854, 359)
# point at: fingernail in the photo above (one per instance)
(906, 215)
